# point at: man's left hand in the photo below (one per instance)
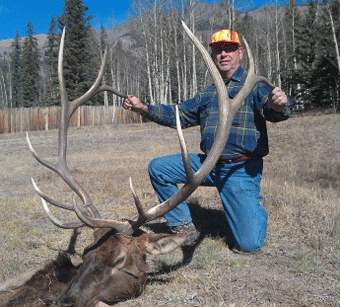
(278, 100)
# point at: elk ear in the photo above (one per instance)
(164, 243)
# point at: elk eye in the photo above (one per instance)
(119, 261)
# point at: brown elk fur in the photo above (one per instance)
(114, 268)
(44, 287)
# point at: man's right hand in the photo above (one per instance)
(134, 104)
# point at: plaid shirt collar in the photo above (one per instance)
(235, 82)
(238, 77)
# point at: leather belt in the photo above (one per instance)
(236, 160)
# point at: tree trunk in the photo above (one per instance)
(336, 45)
(178, 73)
(278, 62)
(184, 64)
(148, 64)
(193, 87)
(269, 57)
(4, 90)
(106, 97)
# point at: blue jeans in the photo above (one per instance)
(238, 185)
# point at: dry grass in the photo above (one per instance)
(298, 266)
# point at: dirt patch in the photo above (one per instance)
(298, 266)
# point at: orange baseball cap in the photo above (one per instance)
(225, 37)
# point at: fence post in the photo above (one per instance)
(78, 117)
(46, 119)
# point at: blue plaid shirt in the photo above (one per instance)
(248, 134)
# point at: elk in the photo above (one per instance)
(114, 267)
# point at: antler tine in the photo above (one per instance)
(97, 87)
(52, 218)
(138, 204)
(142, 216)
(251, 80)
(36, 156)
(185, 155)
(123, 227)
(58, 204)
(43, 196)
(55, 221)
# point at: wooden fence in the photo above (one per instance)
(28, 119)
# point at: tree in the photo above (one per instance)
(30, 68)
(307, 41)
(16, 88)
(325, 89)
(4, 100)
(51, 62)
(77, 60)
(317, 56)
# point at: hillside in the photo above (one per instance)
(6, 45)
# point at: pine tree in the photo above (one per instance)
(307, 41)
(326, 74)
(51, 55)
(16, 89)
(77, 60)
(30, 68)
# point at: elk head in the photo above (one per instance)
(114, 266)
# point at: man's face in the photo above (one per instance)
(227, 59)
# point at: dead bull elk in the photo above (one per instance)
(114, 266)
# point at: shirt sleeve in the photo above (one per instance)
(165, 114)
(267, 112)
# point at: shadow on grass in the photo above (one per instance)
(209, 222)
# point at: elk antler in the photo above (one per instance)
(227, 109)
(67, 109)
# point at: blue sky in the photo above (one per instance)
(14, 14)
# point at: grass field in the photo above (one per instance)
(298, 266)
